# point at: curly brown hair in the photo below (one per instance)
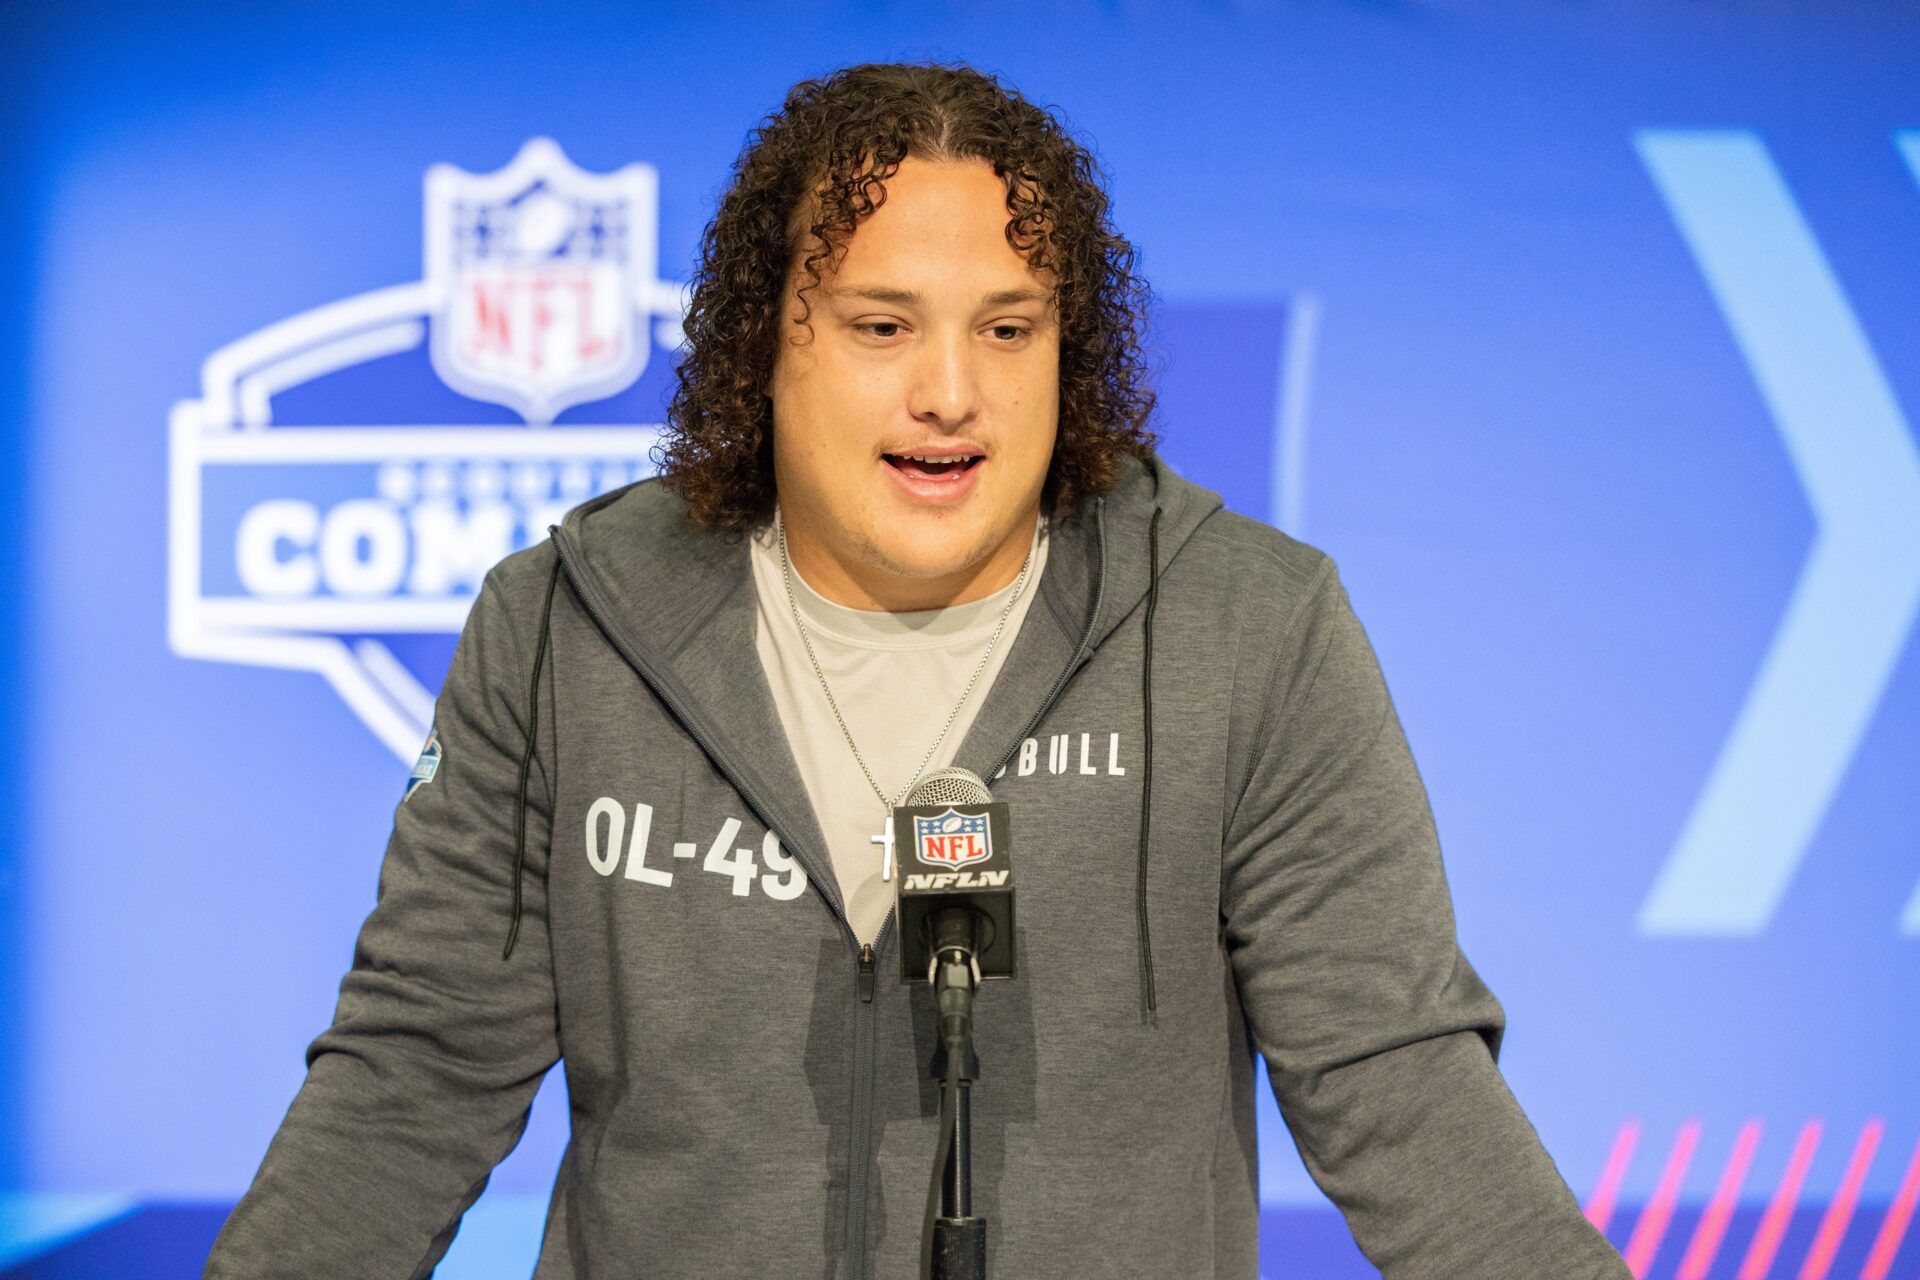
(807, 176)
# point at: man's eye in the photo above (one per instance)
(875, 326)
(1009, 333)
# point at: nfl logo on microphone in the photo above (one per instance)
(951, 839)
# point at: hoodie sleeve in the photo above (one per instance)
(424, 1080)
(1380, 1039)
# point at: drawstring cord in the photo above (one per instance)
(1146, 797)
(526, 761)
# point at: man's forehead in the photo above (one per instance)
(922, 216)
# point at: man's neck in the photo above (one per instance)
(869, 587)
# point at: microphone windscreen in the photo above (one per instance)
(951, 785)
(954, 851)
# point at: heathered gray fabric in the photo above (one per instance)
(738, 1112)
(895, 679)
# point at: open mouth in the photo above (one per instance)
(931, 467)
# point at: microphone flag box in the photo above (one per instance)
(954, 855)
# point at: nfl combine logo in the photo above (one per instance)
(347, 476)
(951, 839)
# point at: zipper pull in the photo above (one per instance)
(866, 973)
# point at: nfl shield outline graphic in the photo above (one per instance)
(952, 822)
(229, 430)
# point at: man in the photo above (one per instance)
(911, 516)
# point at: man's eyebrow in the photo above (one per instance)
(1009, 297)
(913, 298)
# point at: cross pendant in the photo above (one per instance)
(885, 840)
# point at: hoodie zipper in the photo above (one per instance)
(860, 1136)
(868, 954)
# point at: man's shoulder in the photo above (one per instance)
(1250, 561)
(1266, 564)
(643, 514)
(525, 570)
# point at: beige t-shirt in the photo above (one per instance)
(895, 677)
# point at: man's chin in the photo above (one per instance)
(934, 559)
(922, 567)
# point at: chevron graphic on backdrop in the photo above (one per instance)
(1853, 607)
(1785, 1234)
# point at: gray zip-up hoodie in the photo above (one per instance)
(1223, 848)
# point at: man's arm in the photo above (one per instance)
(1379, 1037)
(423, 1082)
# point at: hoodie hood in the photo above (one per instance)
(666, 595)
(678, 603)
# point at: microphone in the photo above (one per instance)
(954, 904)
(955, 887)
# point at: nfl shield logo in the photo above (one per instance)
(536, 271)
(951, 839)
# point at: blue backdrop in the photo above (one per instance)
(1584, 338)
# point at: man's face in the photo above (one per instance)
(933, 338)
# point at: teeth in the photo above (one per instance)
(957, 457)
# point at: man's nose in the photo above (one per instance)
(945, 389)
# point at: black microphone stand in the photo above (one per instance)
(959, 1238)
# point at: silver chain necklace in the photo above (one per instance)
(886, 837)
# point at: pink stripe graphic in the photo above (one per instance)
(1826, 1241)
(1599, 1206)
(1773, 1224)
(1713, 1223)
(1887, 1243)
(1653, 1219)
